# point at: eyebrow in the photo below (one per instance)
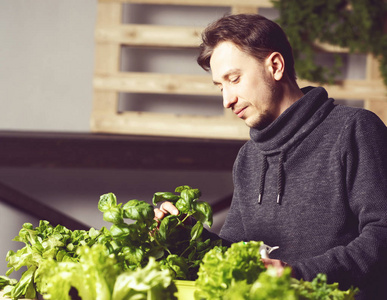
(227, 75)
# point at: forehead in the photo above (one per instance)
(227, 57)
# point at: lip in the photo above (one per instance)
(240, 112)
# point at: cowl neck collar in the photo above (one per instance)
(295, 122)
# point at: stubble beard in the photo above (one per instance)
(263, 120)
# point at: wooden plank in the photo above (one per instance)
(239, 9)
(37, 209)
(107, 58)
(260, 3)
(107, 55)
(138, 82)
(109, 13)
(106, 102)
(150, 35)
(89, 150)
(372, 69)
(352, 89)
(173, 36)
(158, 124)
(325, 47)
(378, 106)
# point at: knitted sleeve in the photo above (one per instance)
(363, 261)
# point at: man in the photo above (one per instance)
(312, 179)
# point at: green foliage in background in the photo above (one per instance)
(359, 25)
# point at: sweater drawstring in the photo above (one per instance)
(262, 179)
(280, 178)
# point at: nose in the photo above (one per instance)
(229, 98)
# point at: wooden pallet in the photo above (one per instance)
(109, 81)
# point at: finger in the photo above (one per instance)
(159, 214)
(169, 208)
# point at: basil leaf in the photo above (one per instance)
(181, 188)
(178, 265)
(196, 230)
(203, 212)
(164, 196)
(132, 255)
(114, 215)
(183, 205)
(120, 230)
(107, 201)
(167, 225)
(138, 210)
(190, 195)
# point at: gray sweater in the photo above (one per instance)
(314, 183)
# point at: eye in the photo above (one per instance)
(235, 80)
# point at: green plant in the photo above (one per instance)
(358, 25)
(134, 239)
(177, 244)
(237, 273)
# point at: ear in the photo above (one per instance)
(276, 64)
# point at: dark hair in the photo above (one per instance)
(251, 33)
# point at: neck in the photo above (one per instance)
(290, 93)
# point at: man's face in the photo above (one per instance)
(247, 85)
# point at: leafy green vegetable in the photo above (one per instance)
(43, 243)
(238, 274)
(93, 275)
(221, 268)
(4, 281)
(149, 283)
(97, 277)
(271, 286)
(319, 289)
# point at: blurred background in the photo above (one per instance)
(47, 68)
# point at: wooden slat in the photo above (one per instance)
(202, 85)
(324, 47)
(372, 69)
(107, 58)
(239, 9)
(106, 102)
(109, 13)
(137, 82)
(150, 35)
(378, 106)
(352, 89)
(158, 124)
(172, 36)
(37, 209)
(260, 3)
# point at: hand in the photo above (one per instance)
(277, 264)
(165, 209)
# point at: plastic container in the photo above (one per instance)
(185, 289)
